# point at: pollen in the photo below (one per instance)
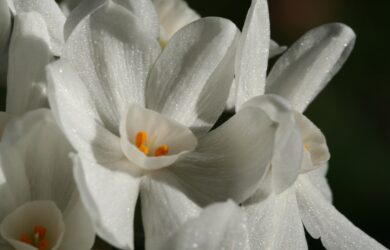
(162, 150)
(37, 238)
(306, 146)
(141, 139)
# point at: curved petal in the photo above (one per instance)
(142, 9)
(164, 207)
(5, 25)
(310, 63)
(316, 151)
(322, 220)
(191, 79)
(79, 118)
(68, 5)
(82, 10)
(275, 49)
(79, 232)
(275, 223)
(252, 54)
(219, 226)
(53, 16)
(173, 15)
(46, 161)
(109, 196)
(288, 148)
(318, 179)
(29, 54)
(231, 160)
(112, 55)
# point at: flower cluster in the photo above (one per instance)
(114, 102)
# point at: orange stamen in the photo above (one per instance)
(25, 238)
(162, 150)
(38, 240)
(140, 138)
(144, 149)
(40, 231)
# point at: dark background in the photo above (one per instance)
(353, 110)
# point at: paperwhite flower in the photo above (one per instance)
(296, 188)
(40, 207)
(29, 53)
(139, 120)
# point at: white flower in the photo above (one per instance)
(139, 120)
(29, 53)
(296, 188)
(40, 206)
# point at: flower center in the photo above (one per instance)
(37, 238)
(141, 143)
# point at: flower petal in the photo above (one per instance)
(29, 54)
(275, 49)
(53, 16)
(191, 79)
(318, 179)
(109, 195)
(304, 70)
(79, 232)
(252, 54)
(173, 15)
(164, 207)
(79, 118)
(288, 148)
(322, 220)
(112, 55)
(4, 119)
(219, 226)
(229, 161)
(275, 223)
(5, 25)
(143, 10)
(44, 152)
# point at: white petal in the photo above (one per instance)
(4, 119)
(322, 220)
(79, 232)
(44, 152)
(109, 195)
(231, 160)
(52, 15)
(304, 70)
(29, 54)
(8, 203)
(5, 25)
(75, 111)
(85, 8)
(173, 15)
(68, 5)
(318, 179)
(219, 226)
(288, 148)
(275, 49)
(191, 79)
(145, 13)
(275, 223)
(161, 131)
(23, 219)
(252, 54)
(142, 9)
(164, 207)
(112, 55)
(316, 151)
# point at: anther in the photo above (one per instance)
(162, 150)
